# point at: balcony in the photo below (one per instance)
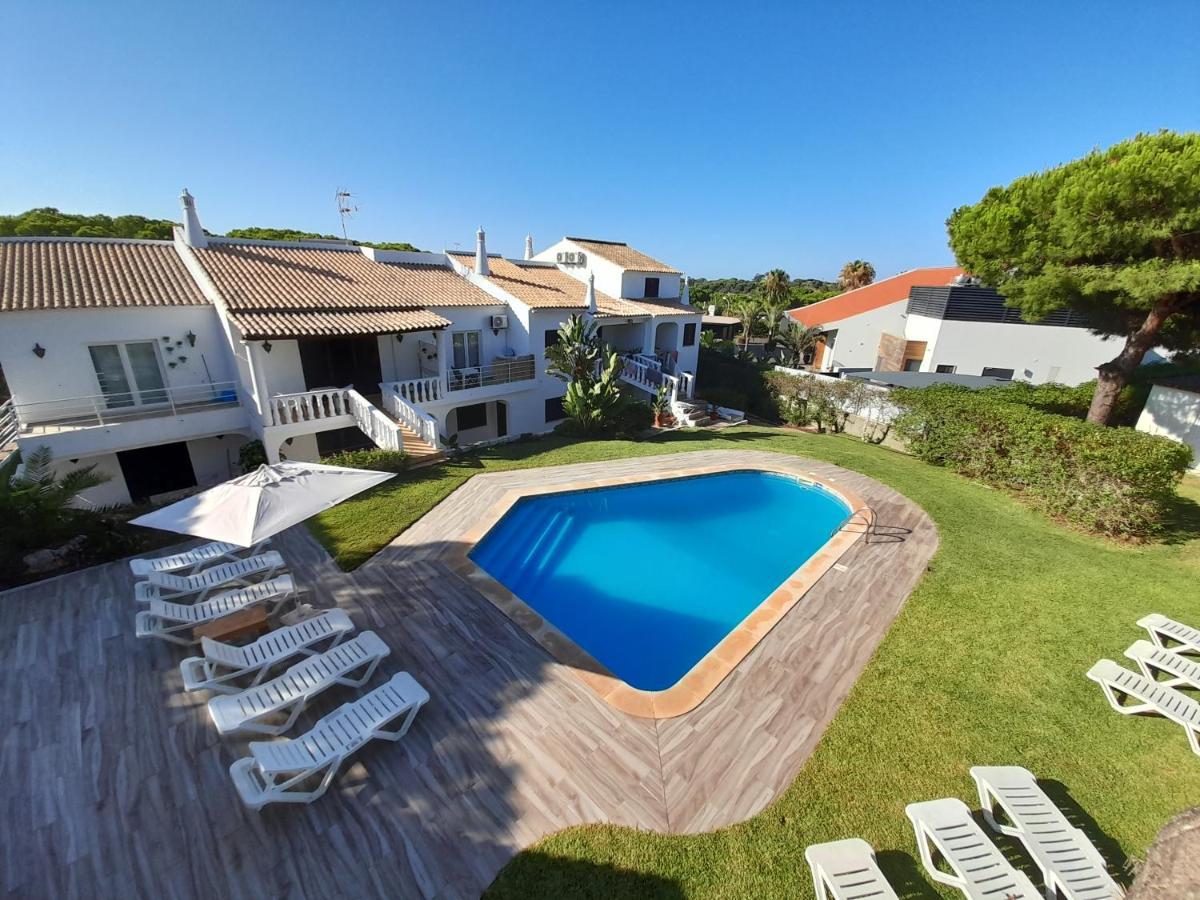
(78, 426)
(469, 384)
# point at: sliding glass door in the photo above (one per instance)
(129, 374)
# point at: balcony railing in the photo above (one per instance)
(107, 409)
(502, 371)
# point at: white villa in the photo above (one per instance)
(939, 320)
(157, 360)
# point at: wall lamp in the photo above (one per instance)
(191, 338)
(400, 338)
(39, 351)
(266, 345)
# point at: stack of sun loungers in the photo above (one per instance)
(265, 686)
(1169, 665)
(1012, 804)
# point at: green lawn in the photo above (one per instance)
(985, 664)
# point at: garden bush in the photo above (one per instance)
(380, 460)
(1113, 481)
(736, 382)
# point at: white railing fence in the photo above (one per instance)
(417, 390)
(9, 426)
(503, 371)
(104, 409)
(404, 410)
(308, 406)
(372, 422)
(687, 384)
(635, 370)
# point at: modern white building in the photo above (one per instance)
(938, 320)
(157, 360)
(1173, 410)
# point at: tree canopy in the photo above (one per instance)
(46, 221)
(714, 291)
(855, 274)
(1114, 235)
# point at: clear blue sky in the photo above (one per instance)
(726, 138)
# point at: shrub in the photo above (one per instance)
(1112, 481)
(631, 418)
(252, 455)
(735, 381)
(380, 460)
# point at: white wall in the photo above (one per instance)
(479, 318)
(1175, 414)
(857, 342)
(633, 284)
(66, 370)
(608, 275)
(1035, 353)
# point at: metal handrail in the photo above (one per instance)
(520, 368)
(103, 409)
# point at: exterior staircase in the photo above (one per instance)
(419, 451)
(690, 414)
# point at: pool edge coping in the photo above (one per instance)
(716, 665)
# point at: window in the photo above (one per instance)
(651, 288)
(912, 365)
(473, 416)
(465, 349)
(129, 374)
(551, 337)
(554, 409)
(689, 334)
(945, 370)
(988, 371)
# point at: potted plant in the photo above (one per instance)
(661, 404)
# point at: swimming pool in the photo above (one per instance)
(648, 578)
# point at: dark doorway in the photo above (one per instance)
(340, 439)
(501, 419)
(156, 470)
(338, 362)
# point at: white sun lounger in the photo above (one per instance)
(193, 560)
(1164, 631)
(166, 586)
(275, 770)
(980, 870)
(223, 666)
(173, 621)
(1071, 866)
(846, 870)
(290, 692)
(1156, 699)
(1155, 662)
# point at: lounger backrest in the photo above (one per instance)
(848, 869)
(223, 604)
(1167, 661)
(1170, 702)
(280, 643)
(195, 556)
(1159, 625)
(305, 678)
(973, 857)
(345, 729)
(217, 575)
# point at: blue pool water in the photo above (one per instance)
(648, 578)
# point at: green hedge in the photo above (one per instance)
(379, 460)
(1112, 481)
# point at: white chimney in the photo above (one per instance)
(685, 298)
(591, 293)
(529, 246)
(193, 234)
(481, 263)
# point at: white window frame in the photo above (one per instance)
(135, 390)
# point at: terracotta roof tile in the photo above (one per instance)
(82, 273)
(873, 296)
(257, 276)
(260, 325)
(544, 286)
(623, 255)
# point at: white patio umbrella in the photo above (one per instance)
(248, 510)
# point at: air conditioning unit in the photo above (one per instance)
(499, 322)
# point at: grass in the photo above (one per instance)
(985, 664)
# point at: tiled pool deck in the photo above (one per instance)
(114, 783)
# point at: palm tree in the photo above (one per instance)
(856, 274)
(745, 307)
(776, 286)
(797, 340)
(774, 312)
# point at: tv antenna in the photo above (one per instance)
(345, 207)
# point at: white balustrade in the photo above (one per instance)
(309, 406)
(372, 422)
(419, 390)
(405, 411)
